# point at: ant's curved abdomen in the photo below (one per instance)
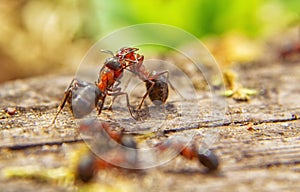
(84, 99)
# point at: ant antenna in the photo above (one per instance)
(107, 51)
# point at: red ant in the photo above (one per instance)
(83, 96)
(156, 83)
(290, 50)
(191, 151)
(89, 164)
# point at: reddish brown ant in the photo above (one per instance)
(290, 50)
(191, 151)
(156, 83)
(83, 96)
(102, 134)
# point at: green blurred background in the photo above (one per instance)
(46, 36)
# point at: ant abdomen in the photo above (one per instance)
(84, 100)
(208, 159)
(160, 90)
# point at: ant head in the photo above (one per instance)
(113, 63)
(123, 52)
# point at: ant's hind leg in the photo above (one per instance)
(117, 92)
(67, 96)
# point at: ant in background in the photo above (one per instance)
(290, 50)
(156, 83)
(190, 151)
(83, 96)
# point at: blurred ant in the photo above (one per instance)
(116, 154)
(292, 49)
(123, 153)
(83, 96)
(191, 151)
(156, 83)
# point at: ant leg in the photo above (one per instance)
(67, 94)
(147, 93)
(117, 92)
(100, 105)
(116, 88)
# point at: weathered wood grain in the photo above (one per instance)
(258, 141)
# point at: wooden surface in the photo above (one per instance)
(258, 142)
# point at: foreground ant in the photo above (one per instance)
(83, 96)
(115, 153)
(123, 152)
